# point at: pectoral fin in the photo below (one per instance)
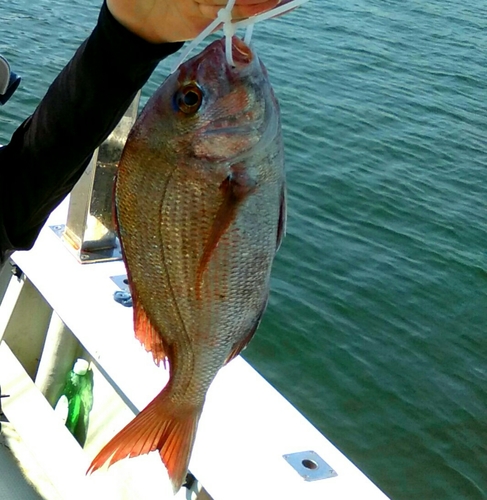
(235, 189)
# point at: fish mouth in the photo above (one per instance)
(242, 53)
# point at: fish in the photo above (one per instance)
(200, 208)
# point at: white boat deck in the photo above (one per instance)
(245, 430)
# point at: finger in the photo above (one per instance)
(239, 11)
(244, 11)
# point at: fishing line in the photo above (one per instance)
(228, 30)
(248, 33)
(224, 18)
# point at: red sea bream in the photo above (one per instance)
(200, 207)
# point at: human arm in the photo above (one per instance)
(51, 149)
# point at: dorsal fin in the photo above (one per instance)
(281, 225)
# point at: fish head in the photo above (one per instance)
(212, 111)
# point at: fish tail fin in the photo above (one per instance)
(160, 426)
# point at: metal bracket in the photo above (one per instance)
(89, 256)
(310, 466)
(121, 281)
(122, 296)
(90, 232)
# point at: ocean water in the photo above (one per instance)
(376, 327)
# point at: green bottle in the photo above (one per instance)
(76, 400)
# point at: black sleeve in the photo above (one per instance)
(50, 150)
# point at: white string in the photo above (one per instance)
(191, 46)
(248, 34)
(224, 17)
(229, 28)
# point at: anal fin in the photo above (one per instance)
(242, 344)
(147, 334)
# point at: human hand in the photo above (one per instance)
(159, 21)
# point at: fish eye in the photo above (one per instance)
(189, 98)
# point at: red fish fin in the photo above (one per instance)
(147, 335)
(281, 227)
(160, 426)
(235, 189)
(242, 344)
